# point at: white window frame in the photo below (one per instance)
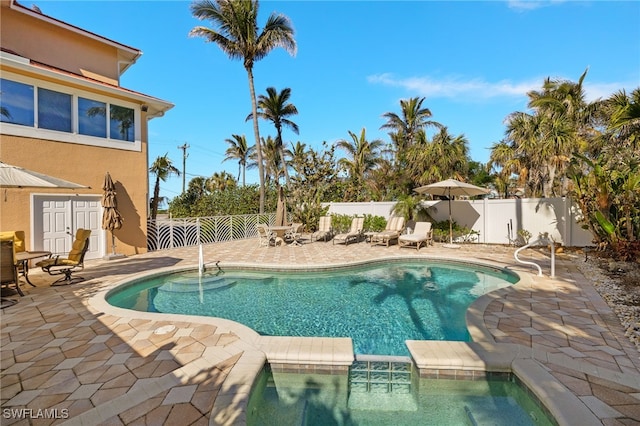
(73, 137)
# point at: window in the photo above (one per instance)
(54, 110)
(122, 123)
(16, 103)
(92, 118)
(45, 110)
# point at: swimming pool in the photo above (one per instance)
(379, 305)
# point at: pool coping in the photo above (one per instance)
(333, 355)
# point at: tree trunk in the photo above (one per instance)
(256, 132)
(156, 197)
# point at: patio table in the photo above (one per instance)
(23, 258)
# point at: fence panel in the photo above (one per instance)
(187, 232)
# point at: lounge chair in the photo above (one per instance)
(8, 269)
(73, 262)
(354, 233)
(267, 237)
(324, 232)
(395, 226)
(422, 234)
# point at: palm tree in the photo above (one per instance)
(362, 157)
(447, 157)
(220, 181)
(162, 167)
(406, 128)
(238, 150)
(238, 36)
(274, 107)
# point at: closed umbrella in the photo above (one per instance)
(111, 218)
(451, 188)
(281, 209)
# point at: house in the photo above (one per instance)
(57, 84)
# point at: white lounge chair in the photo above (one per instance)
(395, 226)
(354, 233)
(422, 234)
(325, 231)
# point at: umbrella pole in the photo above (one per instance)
(113, 243)
(450, 220)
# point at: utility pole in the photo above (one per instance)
(184, 162)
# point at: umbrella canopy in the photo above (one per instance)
(111, 218)
(18, 177)
(281, 209)
(451, 188)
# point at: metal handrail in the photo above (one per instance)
(544, 239)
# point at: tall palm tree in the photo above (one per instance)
(362, 157)
(238, 150)
(162, 167)
(274, 108)
(237, 34)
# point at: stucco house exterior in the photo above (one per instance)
(65, 114)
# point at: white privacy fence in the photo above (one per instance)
(492, 218)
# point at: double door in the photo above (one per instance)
(56, 219)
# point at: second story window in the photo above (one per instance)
(54, 110)
(92, 118)
(16, 103)
(122, 123)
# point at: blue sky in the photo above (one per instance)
(473, 62)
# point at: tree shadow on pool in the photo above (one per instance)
(412, 286)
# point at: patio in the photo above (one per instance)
(62, 355)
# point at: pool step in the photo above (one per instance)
(381, 383)
(188, 284)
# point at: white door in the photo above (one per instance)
(56, 219)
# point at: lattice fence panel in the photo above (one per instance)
(184, 232)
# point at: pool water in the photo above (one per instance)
(315, 399)
(379, 305)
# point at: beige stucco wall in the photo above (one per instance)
(82, 164)
(63, 49)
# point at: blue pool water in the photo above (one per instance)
(378, 305)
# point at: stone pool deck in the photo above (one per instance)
(65, 355)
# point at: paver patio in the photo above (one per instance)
(84, 366)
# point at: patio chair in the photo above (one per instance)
(354, 233)
(294, 234)
(72, 263)
(8, 269)
(325, 231)
(422, 234)
(395, 226)
(267, 237)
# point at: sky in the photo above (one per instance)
(473, 62)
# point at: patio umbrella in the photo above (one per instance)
(18, 177)
(451, 188)
(281, 209)
(111, 218)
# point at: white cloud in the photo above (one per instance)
(455, 87)
(525, 5)
(477, 89)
